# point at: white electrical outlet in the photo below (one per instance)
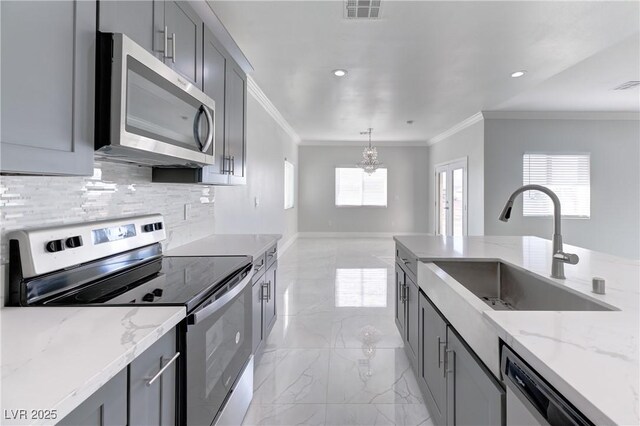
(187, 211)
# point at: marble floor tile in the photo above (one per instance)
(285, 414)
(358, 330)
(377, 414)
(286, 376)
(335, 356)
(301, 331)
(371, 375)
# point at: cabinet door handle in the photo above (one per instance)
(265, 294)
(272, 253)
(268, 291)
(163, 369)
(233, 165)
(255, 271)
(166, 45)
(405, 293)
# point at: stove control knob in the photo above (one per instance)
(55, 245)
(147, 228)
(157, 292)
(73, 242)
(148, 297)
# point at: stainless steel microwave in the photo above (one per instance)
(146, 113)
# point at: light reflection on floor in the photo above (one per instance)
(361, 288)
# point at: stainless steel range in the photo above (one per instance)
(120, 262)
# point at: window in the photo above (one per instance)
(354, 187)
(289, 189)
(568, 175)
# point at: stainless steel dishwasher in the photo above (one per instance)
(531, 400)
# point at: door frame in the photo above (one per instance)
(448, 167)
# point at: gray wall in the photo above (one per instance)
(406, 209)
(614, 226)
(267, 146)
(468, 143)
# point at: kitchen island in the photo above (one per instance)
(590, 357)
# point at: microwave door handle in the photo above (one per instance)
(196, 128)
(210, 128)
(215, 306)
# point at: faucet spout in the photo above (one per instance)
(559, 257)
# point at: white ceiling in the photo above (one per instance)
(436, 63)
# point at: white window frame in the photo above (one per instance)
(557, 153)
(386, 202)
(292, 182)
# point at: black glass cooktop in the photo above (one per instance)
(162, 281)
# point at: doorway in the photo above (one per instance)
(451, 198)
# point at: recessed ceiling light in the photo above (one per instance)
(518, 74)
(339, 73)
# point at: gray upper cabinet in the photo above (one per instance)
(107, 406)
(184, 40)
(214, 67)
(431, 374)
(235, 128)
(474, 395)
(152, 384)
(47, 85)
(142, 21)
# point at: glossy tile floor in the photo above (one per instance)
(335, 356)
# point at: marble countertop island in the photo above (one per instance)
(227, 245)
(589, 357)
(54, 358)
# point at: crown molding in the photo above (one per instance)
(271, 109)
(560, 115)
(362, 143)
(475, 118)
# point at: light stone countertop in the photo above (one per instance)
(589, 357)
(54, 358)
(227, 245)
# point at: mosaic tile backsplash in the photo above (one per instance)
(113, 190)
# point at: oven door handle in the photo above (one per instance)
(216, 305)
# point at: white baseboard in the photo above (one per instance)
(285, 245)
(355, 234)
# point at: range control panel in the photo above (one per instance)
(45, 250)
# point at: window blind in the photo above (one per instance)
(568, 175)
(289, 189)
(354, 187)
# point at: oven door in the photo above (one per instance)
(218, 347)
(153, 115)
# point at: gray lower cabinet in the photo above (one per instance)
(152, 384)
(269, 307)
(142, 394)
(47, 85)
(458, 388)
(411, 320)
(264, 307)
(406, 312)
(106, 407)
(430, 371)
(474, 396)
(399, 300)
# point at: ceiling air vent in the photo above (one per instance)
(362, 9)
(627, 85)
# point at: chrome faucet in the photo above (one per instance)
(559, 256)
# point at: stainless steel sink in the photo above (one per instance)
(504, 287)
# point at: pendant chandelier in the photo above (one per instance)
(369, 161)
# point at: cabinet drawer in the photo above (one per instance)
(271, 255)
(408, 262)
